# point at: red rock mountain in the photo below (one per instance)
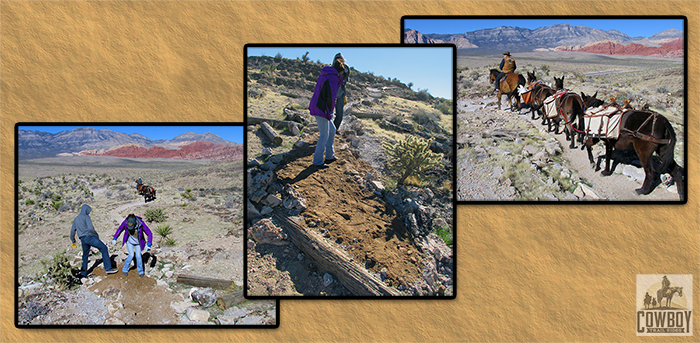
(673, 48)
(198, 150)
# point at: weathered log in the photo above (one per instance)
(203, 281)
(227, 300)
(354, 277)
(271, 133)
(279, 124)
(369, 115)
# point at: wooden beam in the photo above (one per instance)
(280, 124)
(203, 281)
(227, 300)
(354, 277)
(271, 133)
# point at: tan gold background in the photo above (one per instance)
(525, 273)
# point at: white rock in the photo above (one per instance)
(182, 306)
(235, 312)
(197, 315)
(327, 279)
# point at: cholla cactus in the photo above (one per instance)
(411, 156)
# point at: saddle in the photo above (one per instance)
(504, 86)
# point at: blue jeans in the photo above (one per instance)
(94, 241)
(339, 109)
(326, 128)
(133, 250)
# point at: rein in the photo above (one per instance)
(561, 113)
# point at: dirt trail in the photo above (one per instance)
(117, 216)
(358, 221)
(481, 177)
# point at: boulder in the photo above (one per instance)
(204, 296)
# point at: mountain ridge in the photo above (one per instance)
(516, 39)
(37, 144)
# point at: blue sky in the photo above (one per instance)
(228, 132)
(630, 27)
(428, 67)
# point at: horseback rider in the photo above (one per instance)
(507, 66)
(665, 284)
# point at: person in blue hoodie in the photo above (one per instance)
(82, 225)
(321, 106)
(134, 228)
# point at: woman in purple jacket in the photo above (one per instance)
(134, 228)
(321, 106)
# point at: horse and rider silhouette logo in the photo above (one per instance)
(664, 296)
(664, 305)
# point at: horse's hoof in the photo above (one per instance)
(606, 173)
(641, 191)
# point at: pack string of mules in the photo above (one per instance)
(590, 120)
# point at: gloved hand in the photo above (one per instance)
(148, 247)
(345, 100)
(74, 245)
(114, 242)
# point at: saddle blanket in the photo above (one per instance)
(603, 122)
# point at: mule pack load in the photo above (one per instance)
(148, 192)
(604, 121)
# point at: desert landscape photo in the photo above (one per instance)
(518, 153)
(193, 206)
(378, 220)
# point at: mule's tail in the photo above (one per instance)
(666, 152)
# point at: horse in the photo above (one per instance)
(668, 295)
(539, 91)
(646, 132)
(508, 86)
(148, 192)
(570, 108)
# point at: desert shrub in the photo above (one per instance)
(446, 234)
(169, 242)
(164, 230)
(29, 202)
(444, 106)
(545, 69)
(155, 215)
(57, 205)
(60, 270)
(64, 207)
(411, 157)
(228, 203)
(423, 95)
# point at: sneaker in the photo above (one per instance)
(321, 166)
(142, 275)
(330, 160)
(125, 273)
(111, 271)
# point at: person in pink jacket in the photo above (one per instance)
(134, 228)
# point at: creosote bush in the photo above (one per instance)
(411, 156)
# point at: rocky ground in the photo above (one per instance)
(356, 204)
(202, 204)
(504, 155)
